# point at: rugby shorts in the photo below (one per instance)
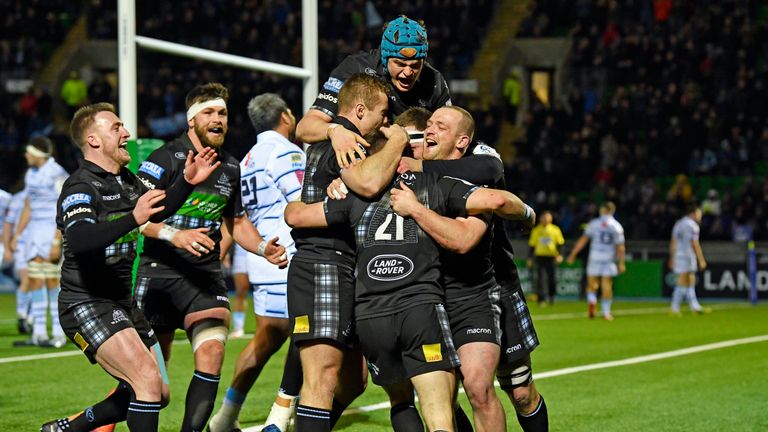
(166, 301)
(685, 265)
(321, 302)
(408, 343)
(89, 324)
(602, 268)
(518, 336)
(476, 318)
(270, 287)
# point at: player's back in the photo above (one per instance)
(685, 231)
(605, 232)
(271, 177)
(398, 264)
(43, 185)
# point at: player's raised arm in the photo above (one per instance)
(369, 177)
(504, 204)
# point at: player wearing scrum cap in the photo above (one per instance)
(401, 62)
(184, 287)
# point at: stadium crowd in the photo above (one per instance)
(657, 89)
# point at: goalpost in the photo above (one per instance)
(128, 40)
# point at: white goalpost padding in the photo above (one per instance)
(128, 40)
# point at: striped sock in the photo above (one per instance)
(230, 408)
(606, 307)
(39, 312)
(201, 396)
(238, 321)
(309, 419)
(22, 304)
(677, 297)
(143, 416)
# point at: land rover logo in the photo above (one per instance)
(389, 267)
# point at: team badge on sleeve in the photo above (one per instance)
(333, 84)
(152, 169)
(75, 199)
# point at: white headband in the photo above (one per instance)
(416, 136)
(199, 106)
(34, 151)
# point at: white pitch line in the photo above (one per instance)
(626, 312)
(589, 367)
(70, 353)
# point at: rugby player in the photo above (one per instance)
(685, 258)
(480, 164)
(606, 257)
(16, 258)
(400, 61)
(184, 288)
(43, 182)
(101, 210)
(272, 172)
(398, 274)
(321, 275)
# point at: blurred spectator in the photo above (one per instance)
(74, 92)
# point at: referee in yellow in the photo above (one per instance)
(544, 256)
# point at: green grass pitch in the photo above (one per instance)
(704, 388)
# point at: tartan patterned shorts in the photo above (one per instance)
(518, 338)
(321, 302)
(90, 324)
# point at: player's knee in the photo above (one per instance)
(209, 335)
(479, 391)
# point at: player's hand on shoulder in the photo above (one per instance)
(347, 144)
(395, 131)
(147, 205)
(275, 253)
(194, 241)
(337, 190)
(198, 167)
(409, 164)
(404, 201)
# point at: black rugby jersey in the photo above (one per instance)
(323, 244)
(480, 165)
(217, 197)
(93, 195)
(398, 264)
(430, 91)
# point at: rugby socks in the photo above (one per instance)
(39, 312)
(22, 304)
(292, 374)
(336, 411)
(143, 416)
(230, 408)
(53, 303)
(309, 419)
(606, 306)
(238, 321)
(592, 298)
(111, 410)
(405, 418)
(537, 421)
(693, 302)
(677, 297)
(462, 421)
(280, 414)
(201, 396)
